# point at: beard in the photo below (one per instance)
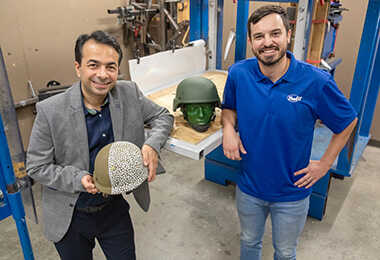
(270, 61)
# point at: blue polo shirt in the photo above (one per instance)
(276, 123)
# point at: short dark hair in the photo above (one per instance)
(100, 37)
(258, 14)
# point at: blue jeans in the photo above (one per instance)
(288, 220)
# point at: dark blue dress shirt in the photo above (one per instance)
(100, 133)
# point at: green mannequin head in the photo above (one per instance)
(197, 97)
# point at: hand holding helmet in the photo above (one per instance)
(119, 169)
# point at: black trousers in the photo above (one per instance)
(112, 227)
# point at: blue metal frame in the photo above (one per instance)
(365, 84)
(198, 20)
(204, 34)
(195, 20)
(12, 202)
(219, 41)
(241, 30)
(5, 211)
(373, 92)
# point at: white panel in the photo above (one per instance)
(157, 70)
(195, 151)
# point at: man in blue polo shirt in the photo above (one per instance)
(274, 101)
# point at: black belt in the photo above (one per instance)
(93, 209)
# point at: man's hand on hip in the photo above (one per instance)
(232, 145)
(88, 184)
(313, 172)
(150, 158)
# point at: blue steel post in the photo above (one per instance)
(241, 29)
(5, 211)
(204, 24)
(195, 19)
(374, 85)
(14, 196)
(363, 77)
(219, 37)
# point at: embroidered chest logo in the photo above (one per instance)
(293, 98)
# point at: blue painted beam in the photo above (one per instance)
(6, 166)
(366, 55)
(364, 74)
(241, 30)
(195, 20)
(204, 25)
(14, 199)
(219, 36)
(17, 208)
(372, 96)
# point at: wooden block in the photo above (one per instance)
(182, 129)
(317, 33)
(19, 169)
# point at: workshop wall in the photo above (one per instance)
(37, 39)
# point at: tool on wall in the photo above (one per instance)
(152, 26)
(334, 17)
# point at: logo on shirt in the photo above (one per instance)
(293, 98)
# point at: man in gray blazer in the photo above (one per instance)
(69, 130)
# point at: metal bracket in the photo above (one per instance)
(30, 101)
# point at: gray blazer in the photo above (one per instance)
(58, 154)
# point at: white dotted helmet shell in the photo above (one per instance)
(119, 169)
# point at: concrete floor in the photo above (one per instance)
(191, 218)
